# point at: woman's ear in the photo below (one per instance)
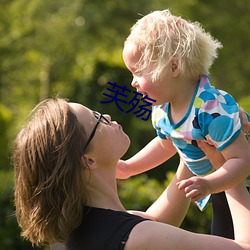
(89, 161)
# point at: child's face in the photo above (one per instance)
(141, 80)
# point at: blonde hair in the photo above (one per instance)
(49, 184)
(160, 36)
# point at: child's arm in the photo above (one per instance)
(234, 171)
(153, 154)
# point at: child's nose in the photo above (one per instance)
(134, 83)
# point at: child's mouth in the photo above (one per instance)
(143, 93)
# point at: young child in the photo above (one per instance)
(170, 59)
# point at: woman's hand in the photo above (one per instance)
(245, 124)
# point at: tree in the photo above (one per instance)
(72, 48)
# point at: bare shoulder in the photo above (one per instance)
(154, 235)
(149, 235)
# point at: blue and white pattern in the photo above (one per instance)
(213, 115)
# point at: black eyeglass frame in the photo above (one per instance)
(100, 118)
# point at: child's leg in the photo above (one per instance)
(222, 224)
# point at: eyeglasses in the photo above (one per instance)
(100, 118)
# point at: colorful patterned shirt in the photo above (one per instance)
(213, 115)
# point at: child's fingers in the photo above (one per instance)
(184, 183)
(194, 195)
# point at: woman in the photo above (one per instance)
(65, 188)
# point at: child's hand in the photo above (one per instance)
(194, 187)
(122, 170)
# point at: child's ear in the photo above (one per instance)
(175, 66)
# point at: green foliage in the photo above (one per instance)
(139, 192)
(73, 48)
(245, 103)
(230, 71)
(5, 124)
(136, 193)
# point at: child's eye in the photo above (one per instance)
(137, 74)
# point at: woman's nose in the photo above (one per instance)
(108, 117)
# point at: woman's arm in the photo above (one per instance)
(160, 236)
(245, 124)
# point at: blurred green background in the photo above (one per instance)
(72, 48)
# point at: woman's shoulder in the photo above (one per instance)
(155, 235)
(110, 227)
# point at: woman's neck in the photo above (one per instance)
(102, 189)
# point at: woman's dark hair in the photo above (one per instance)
(49, 180)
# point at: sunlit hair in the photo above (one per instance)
(160, 36)
(49, 186)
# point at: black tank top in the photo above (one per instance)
(102, 229)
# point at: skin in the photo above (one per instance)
(245, 122)
(191, 186)
(178, 91)
(169, 88)
(153, 235)
(102, 187)
(102, 160)
(217, 161)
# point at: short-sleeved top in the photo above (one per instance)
(213, 115)
(102, 229)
